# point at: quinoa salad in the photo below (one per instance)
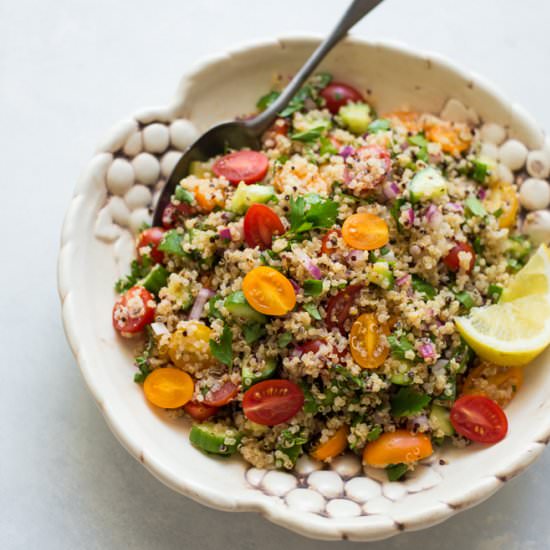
(337, 290)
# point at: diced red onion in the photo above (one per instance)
(403, 280)
(355, 255)
(346, 151)
(419, 423)
(433, 215)
(439, 322)
(481, 194)
(427, 350)
(404, 146)
(307, 262)
(390, 190)
(295, 286)
(225, 233)
(410, 215)
(159, 329)
(200, 301)
(455, 207)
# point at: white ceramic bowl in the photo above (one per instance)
(96, 249)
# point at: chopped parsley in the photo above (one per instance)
(374, 433)
(479, 171)
(223, 350)
(311, 212)
(313, 311)
(420, 141)
(408, 401)
(307, 136)
(326, 146)
(252, 332)
(284, 339)
(396, 471)
(423, 287)
(138, 270)
(399, 346)
(465, 298)
(395, 212)
(266, 100)
(495, 291)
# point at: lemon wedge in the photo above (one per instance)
(514, 331)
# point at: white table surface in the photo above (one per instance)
(68, 70)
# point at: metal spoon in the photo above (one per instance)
(240, 134)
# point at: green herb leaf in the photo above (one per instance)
(423, 287)
(310, 135)
(374, 433)
(399, 346)
(321, 80)
(213, 310)
(223, 350)
(266, 100)
(252, 332)
(498, 212)
(138, 270)
(495, 291)
(396, 471)
(478, 247)
(474, 207)
(327, 147)
(297, 102)
(408, 401)
(313, 311)
(479, 171)
(379, 125)
(183, 195)
(395, 212)
(321, 213)
(313, 287)
(465, 299)
(420, 141)
(297, 207)
(284, 339)
(142, 360)
(171, 243)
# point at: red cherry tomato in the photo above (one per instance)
(151, 237)
(247, 166)
(452, 261)
(479, 418)
(280, 126)
(338, 307)
(260, 224)
(337, 94)
(222, 396)
(368, 152)
(327, 246)
(272, 402)
(308, 346)
(174, 215)
(133, 311)
(199, 411)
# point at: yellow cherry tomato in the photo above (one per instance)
(269, 291)
(399, 447)
(365, 231)
(189, 347)
(503, 197)
(409, 120)
(168, 388)
(332, 447)
(453, 138)
(209, 196)
(367, 344)
(498, 383)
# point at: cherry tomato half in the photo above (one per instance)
(364, 231)
(399, 447)
(308, 346)
(199, 411)
(260, 224)
(452, 261)
(334, 446)
(338, 307)
(272, 402)
(367, 341)
(337, 94)
(168, 387)
(151, 237)
(479, 418)
(269, 291)
(222, 396)
(329, 243)
(246, 166)
(173, 214)
(133, 311)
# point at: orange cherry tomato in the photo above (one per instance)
(406, 119)
(367, 343)
(399, 447)
(168, 388)
(498, 383)
(269, 291)
(452, 138)
(365, 231)
(503, 196)
(199, 411)
(332, 447)
(208, 197)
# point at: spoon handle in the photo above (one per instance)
(356, 11)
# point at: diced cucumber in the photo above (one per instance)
(155, 279)
(314, 120)
(237, 305)
(401, 379)
(179, 292)
(381, 275)
(215, 438)
(440, 420)
(356, 117)
(200, 169)
(427, 184)
(265, 371)
(245, 195)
